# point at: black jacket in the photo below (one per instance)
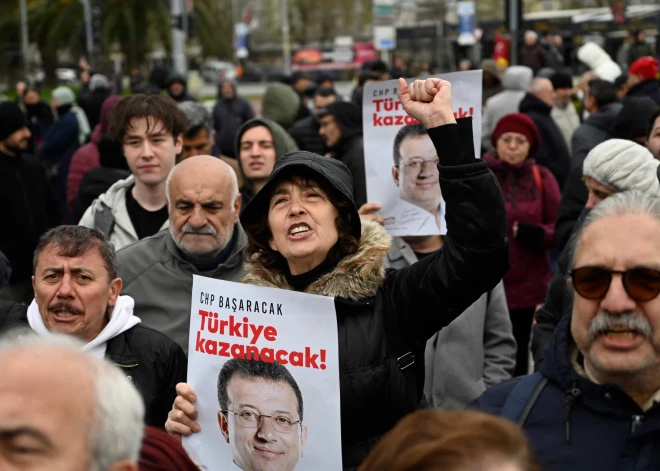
(351, 153)
(228, 117)
(30, 210)
(150, 360)
(649, 88)
(590, 133)
(576, 424)
(384, 318)
(92, 103)
(553, 152)
(306, 134)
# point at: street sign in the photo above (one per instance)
(384, 28)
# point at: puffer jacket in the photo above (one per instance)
(108, 213)
(149, 359)
(383, 315)
(516, 83)
(525, 284)
(578, 425)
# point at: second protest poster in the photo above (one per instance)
(400, 159)
(264, 365)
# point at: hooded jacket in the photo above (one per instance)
(149, 359)
(516, 83)
(384, 316)
(553, 152)
(283, 145)
(527, 280)
(306, 134)
(648, 88)
(473, 353)
(576, 424)
(229, 114)
(160, 280)
(280, 104)
(590, 133)
(350, 148)
(87, 157)
(176, 77)
(108, 213)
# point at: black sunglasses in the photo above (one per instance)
(642, 284)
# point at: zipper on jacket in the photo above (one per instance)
(636, 422)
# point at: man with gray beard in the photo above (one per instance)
(204, 238)
(595, 402)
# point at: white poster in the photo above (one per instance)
(400, 160)
(264, 365)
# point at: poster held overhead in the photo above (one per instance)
(264, 365)
(400, 159)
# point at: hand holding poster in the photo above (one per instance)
(400, 159)
(264, 365)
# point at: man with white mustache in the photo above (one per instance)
(204, 238)
(595, 402)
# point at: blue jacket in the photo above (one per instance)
(578, 425)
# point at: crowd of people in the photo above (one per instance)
(522, 339)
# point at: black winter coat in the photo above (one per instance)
(649, 88)
(150, 360)
(30, 209)
(350, 152)
(306, 134)
(553, 152)
(382, 316)
(228, 117)
(590, 133)
(578, 425)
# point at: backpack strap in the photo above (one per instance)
(104, 221)
(523, 396)
(537, 177)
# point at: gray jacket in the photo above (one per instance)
(516, 82)
(475, 352)
(160, 281)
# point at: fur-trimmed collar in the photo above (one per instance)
(356, 277)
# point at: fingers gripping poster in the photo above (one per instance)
(400, 159)
(264, 365)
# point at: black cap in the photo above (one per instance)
(324, 169)
(561, 80)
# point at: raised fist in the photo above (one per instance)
(428, 101)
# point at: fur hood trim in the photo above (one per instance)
(356, 277)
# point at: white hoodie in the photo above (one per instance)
(121, 320)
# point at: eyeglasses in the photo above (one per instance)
(416, 164)
(520, 140)
(249, 419)
(642, 284)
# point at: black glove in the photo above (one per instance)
(530, 236)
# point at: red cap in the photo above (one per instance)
(522, 124)
(645, 67)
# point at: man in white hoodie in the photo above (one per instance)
(76, 291)
(150, 129)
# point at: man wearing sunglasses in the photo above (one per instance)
(261, 413)
(595, 402)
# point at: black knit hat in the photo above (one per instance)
(12, 119)
(632, 121)
(330, 171)
(561, 80)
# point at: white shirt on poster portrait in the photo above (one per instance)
(407, 219)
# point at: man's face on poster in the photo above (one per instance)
(268, 443)
(417, 173)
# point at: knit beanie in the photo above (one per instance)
(64, 96)
(160, 452)
(99, 81)
(522, 124)
(12, 119)
(645, 67)
(623, 165)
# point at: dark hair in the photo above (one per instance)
(271, 372)
(431, 439)
(652, 120)
(325, 92)
(603, 92)
(258, 250)
(158, 107)
(73, 241)
(31, 88)
(367, 75)
(413, 130)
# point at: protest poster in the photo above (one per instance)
(264, 365)
(400, 160)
